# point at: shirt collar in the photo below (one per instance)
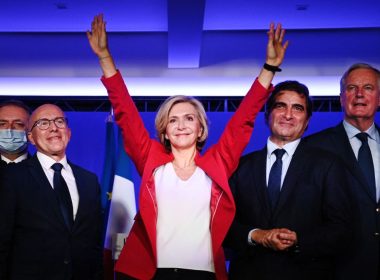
(47, 162)
(289, 148)
(352, 131)
(17, 160)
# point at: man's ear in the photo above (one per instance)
(30, 138)
(69, 133)
(341, 97)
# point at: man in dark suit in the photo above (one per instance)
(14, 116)
(292, 209)
(360, 99)
(50, 214)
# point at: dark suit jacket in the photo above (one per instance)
(362, 261)
(313, 202)
(3, 164)
(34, 240)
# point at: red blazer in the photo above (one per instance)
(138, 257)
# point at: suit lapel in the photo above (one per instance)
(343, 147)
(83, 197)
(49, 196)
(261, 182)
(292, 175)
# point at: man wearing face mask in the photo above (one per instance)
(50, 212)
(14, 116)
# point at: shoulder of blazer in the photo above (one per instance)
(311, 152)
(254, 162)
(86, 181)
(81, 171)
(252, 157)
(324, 134)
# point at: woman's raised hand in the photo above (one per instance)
(97, 37)
(276, 48)
(98, 42)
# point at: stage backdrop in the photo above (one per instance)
(87, 144)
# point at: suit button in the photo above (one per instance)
(66, 261)
(175, 269)
(377, 210)
(376, 234)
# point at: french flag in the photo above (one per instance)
(118, 198)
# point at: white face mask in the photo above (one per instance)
(12, 141)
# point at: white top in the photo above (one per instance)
(183, 222)
(67, 174)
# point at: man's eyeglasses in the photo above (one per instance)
(44, 124)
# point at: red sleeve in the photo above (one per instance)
(136, 138)
(238, 131)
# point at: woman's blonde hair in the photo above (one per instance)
(162, 119)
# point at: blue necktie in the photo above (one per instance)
(63, 195)
(366, 163)
(274, 182)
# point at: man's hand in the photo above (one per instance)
(278, 239)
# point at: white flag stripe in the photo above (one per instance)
(122, 210)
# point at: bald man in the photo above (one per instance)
(50, 214)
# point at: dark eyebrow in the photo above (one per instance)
(298, 105)
(186, 115)
(16, 120)
(279, 103)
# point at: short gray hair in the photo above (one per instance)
(353, 67)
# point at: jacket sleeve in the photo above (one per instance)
(237, 237)
(136, 138)
(237, 133)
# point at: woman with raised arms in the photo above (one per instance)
(186, 205)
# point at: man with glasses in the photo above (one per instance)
(50, 214)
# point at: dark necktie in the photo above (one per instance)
(63, 194)
(366, 163)
(274, 182)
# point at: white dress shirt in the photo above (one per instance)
(289, 148)
(67, 174)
